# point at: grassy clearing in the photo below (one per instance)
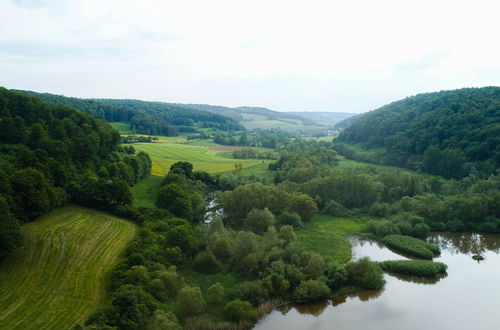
(145, 191)
(411, 246)
(423, 268)
(201, 156)
(58, 278)
(122, 128)
(327, 235)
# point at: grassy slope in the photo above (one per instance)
(327, 235)
(58, 277)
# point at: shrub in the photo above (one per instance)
(163, 321)
(311, 290)
(423, 268)
(215, 293)
(250, 291)
(365, 274)
(238, 310)
(411, 246)
(190, 301)
(205, 262)
(334, 208)
(289, 218)
(259, 221)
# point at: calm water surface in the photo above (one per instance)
(467, 298)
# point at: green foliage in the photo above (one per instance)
(289, 218)
(181, 235)
(365, 274)
(152, 118)
(411, 246)
(51, 154)
(447, 133)
(259, 221)
(130, 308)
(422, 268)
(205, 262)
(238, 310)
(163, 321)
(182, 168)
(175, 199)
(10, 237)
(137, 275)
(334, 208)
(190, 301)
(238, 203)
(215, 294)
(311, 290)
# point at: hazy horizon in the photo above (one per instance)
(322, 56)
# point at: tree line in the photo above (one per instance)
(151, 118)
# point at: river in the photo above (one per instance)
(467, 298)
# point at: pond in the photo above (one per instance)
(467, 298)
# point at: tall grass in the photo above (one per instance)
(424, 268)
(206, 323)
(411, 246)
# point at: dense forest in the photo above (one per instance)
(51, 155)
(155, 118)
(450, 133)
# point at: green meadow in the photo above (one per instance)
(327, 235)
(59, 276)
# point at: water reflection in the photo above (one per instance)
(406, 302)
(466, 243)
(420, 280)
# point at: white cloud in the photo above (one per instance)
(287, 55)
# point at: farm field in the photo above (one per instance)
(59, 276)
(201, 155)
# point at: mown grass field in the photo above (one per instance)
(59, 276)
(327, 235)
(202, 157)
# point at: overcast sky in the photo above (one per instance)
(349, 56)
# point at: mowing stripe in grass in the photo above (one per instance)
(58, 277)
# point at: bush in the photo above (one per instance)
(334, 208)
(311, 290)
(190, 301)
(163, 321)
(411, 246)
(250, 291)
(215, 294)
(238, 310)
(422, 268)
(289, 218)
(259, 221)
(365, 274)
(205, 262)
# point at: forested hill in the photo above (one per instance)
(146, 117)
(451, 133)
(255, 114)
(51, 155)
